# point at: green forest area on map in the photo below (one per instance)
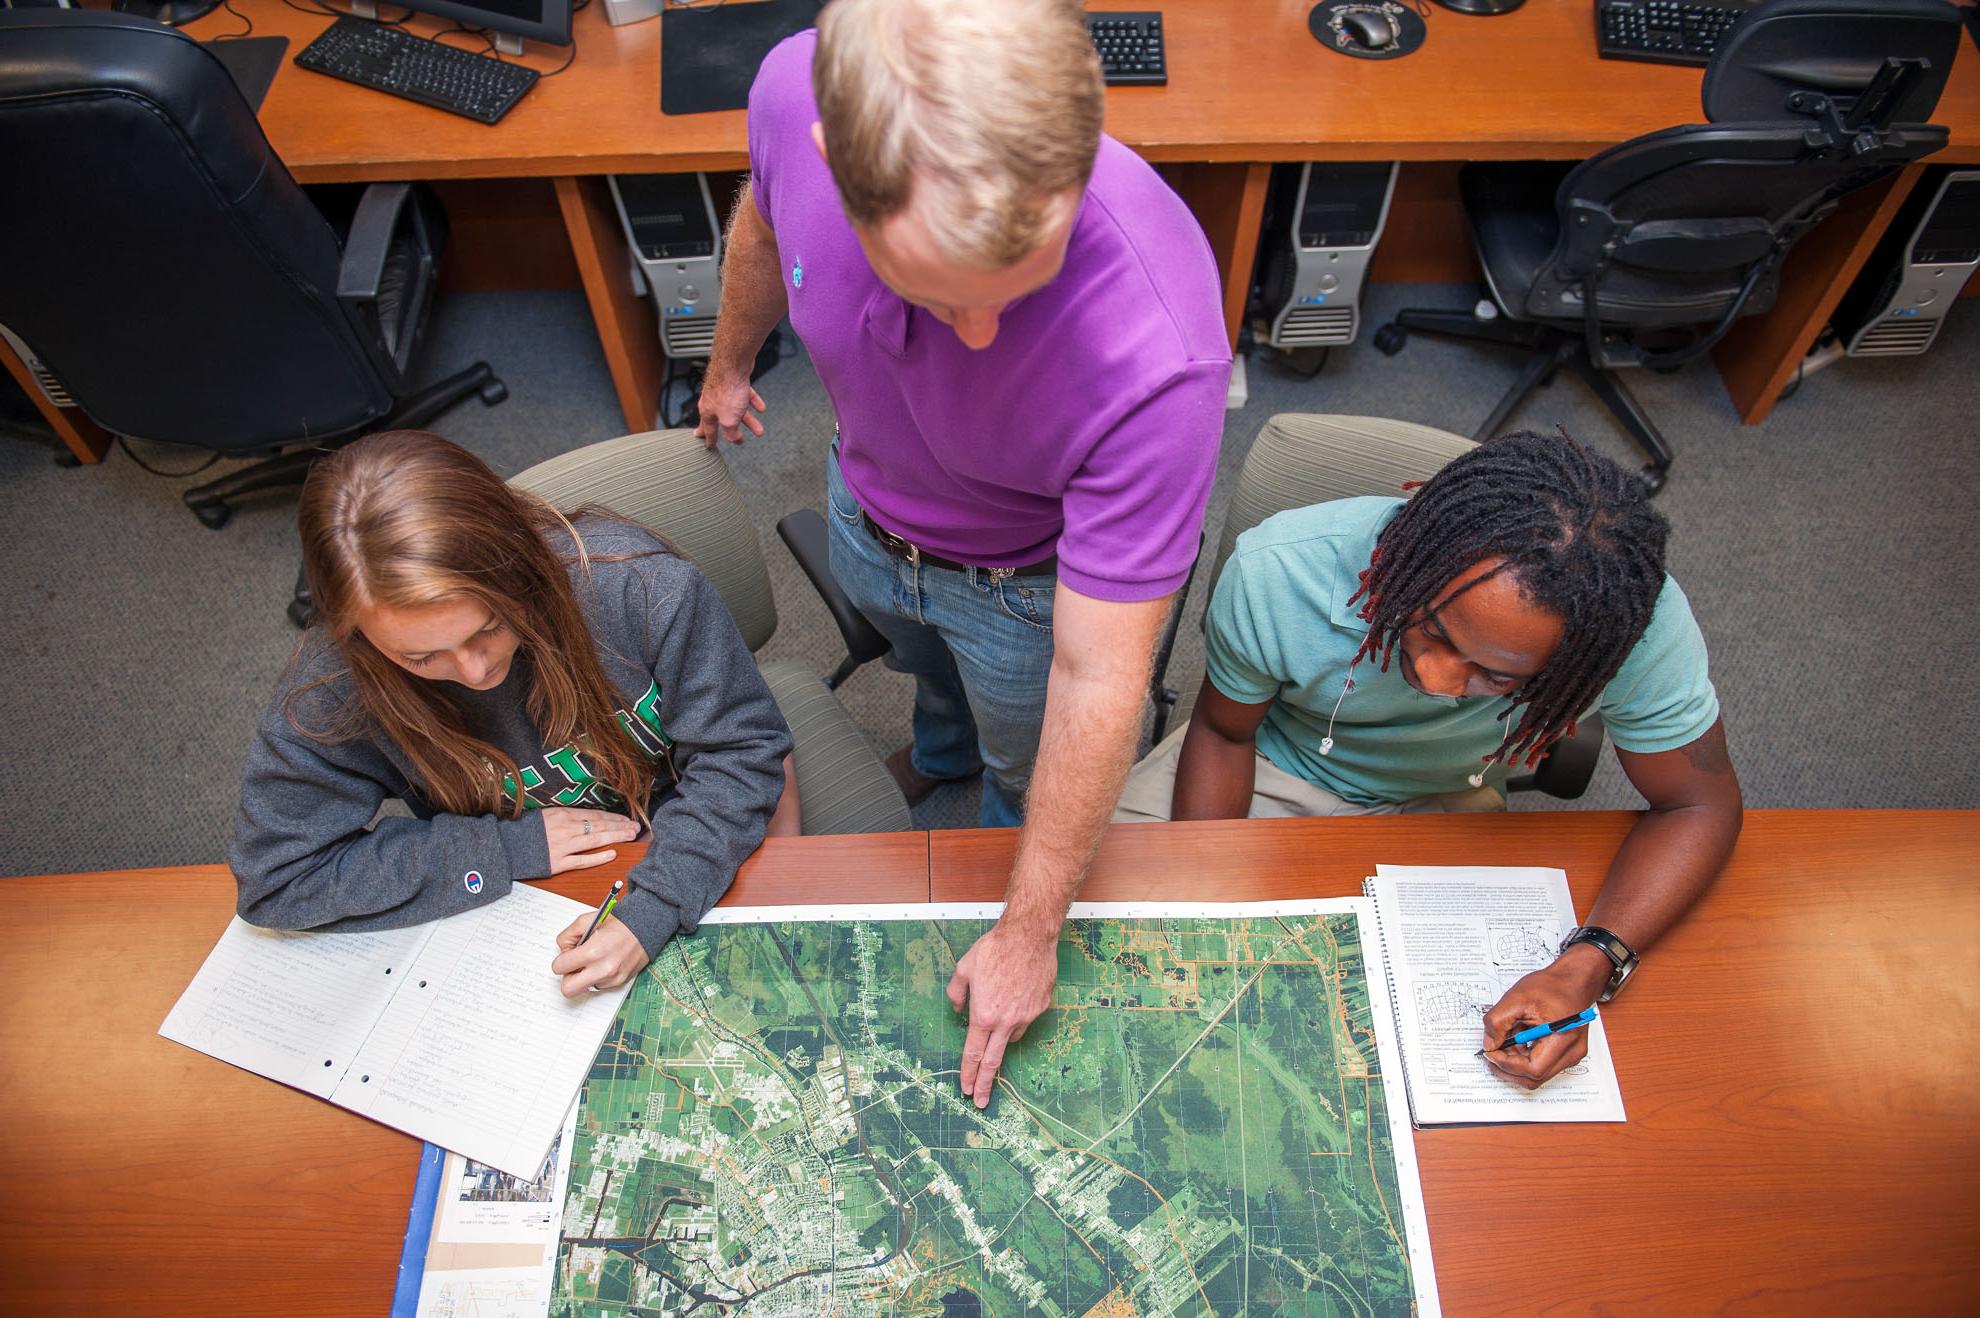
(1198, 1126)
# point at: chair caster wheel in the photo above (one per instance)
(1653, 480)
(213, 516)
(492, 393)
(1391, 339)
(302, 614)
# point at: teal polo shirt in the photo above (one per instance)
(1280, 628)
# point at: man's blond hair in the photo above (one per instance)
(993, 107)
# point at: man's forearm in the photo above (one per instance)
(753, 297)
(1665, 864)
(1084, 753)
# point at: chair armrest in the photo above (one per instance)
(394, 222)
(1160, 692)
(1570, 763)
(804, 533)
(370, 238)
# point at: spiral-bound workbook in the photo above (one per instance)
(1456, 939)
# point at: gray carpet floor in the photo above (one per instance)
(1832, 555)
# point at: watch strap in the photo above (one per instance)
(1621, 956)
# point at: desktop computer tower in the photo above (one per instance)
(676, 239)
(1321, 225)
(44, 379)
(1899, 301)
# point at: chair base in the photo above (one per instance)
(1548, 348)
(213, 503)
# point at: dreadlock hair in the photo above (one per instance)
(1577, 533)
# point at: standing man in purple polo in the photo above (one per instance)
(1020, 329)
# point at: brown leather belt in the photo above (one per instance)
(908, 551)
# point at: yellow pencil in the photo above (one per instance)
(611, 900)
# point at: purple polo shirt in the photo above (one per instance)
(1089, 428)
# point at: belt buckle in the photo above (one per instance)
(899, 546)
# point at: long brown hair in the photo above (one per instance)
(405, 519)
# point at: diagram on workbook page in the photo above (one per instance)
(1456, 941)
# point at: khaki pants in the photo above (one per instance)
(1275, 794)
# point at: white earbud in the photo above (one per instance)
(1327, 742)
(1478, 779)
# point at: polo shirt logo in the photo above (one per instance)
(473, 881)
(797, 273)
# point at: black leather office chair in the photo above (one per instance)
(1646, 254)
(157, 258)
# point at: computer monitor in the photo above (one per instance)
(508, 21)
(169, 12)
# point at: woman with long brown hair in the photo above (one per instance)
(536, 689)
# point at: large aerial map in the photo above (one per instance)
(1198, 1126)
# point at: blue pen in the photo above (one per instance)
(1586, 1016)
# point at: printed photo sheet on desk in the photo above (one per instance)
(454, 1031)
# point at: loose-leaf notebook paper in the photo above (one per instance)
(1456, 939)
(454, 1031)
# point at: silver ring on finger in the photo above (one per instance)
(587, 826)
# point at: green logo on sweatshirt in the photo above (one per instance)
(563, 777)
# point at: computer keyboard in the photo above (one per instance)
(417, 68)
(1665, 31)
(1130, 47)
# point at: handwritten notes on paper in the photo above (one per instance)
(455, 1031)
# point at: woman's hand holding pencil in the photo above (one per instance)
(598, 951)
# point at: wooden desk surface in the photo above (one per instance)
(1246, 83)
(1797, 1060)
(1806, 1159)
(138, 1176)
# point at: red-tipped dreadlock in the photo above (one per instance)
(1578, 535)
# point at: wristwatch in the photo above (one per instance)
(1619, 954)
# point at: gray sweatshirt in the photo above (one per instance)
(692, 699)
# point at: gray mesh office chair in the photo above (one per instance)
(1301, 459)
(669, 481)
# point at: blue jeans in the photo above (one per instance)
(978, 643)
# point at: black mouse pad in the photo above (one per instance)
(253, 61)
(1329, 26)
(709, 53)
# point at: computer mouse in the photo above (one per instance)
(1370, 29)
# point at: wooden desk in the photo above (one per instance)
(138, 1176)
(1791, 1148)
(1248, 86)
(1813, 1153)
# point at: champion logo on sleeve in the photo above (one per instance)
(472, 879)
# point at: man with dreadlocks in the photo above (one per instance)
(1374, 655)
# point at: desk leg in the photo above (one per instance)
(86, 440)
(1762, 353)
(626, 328)
(1229, 202)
